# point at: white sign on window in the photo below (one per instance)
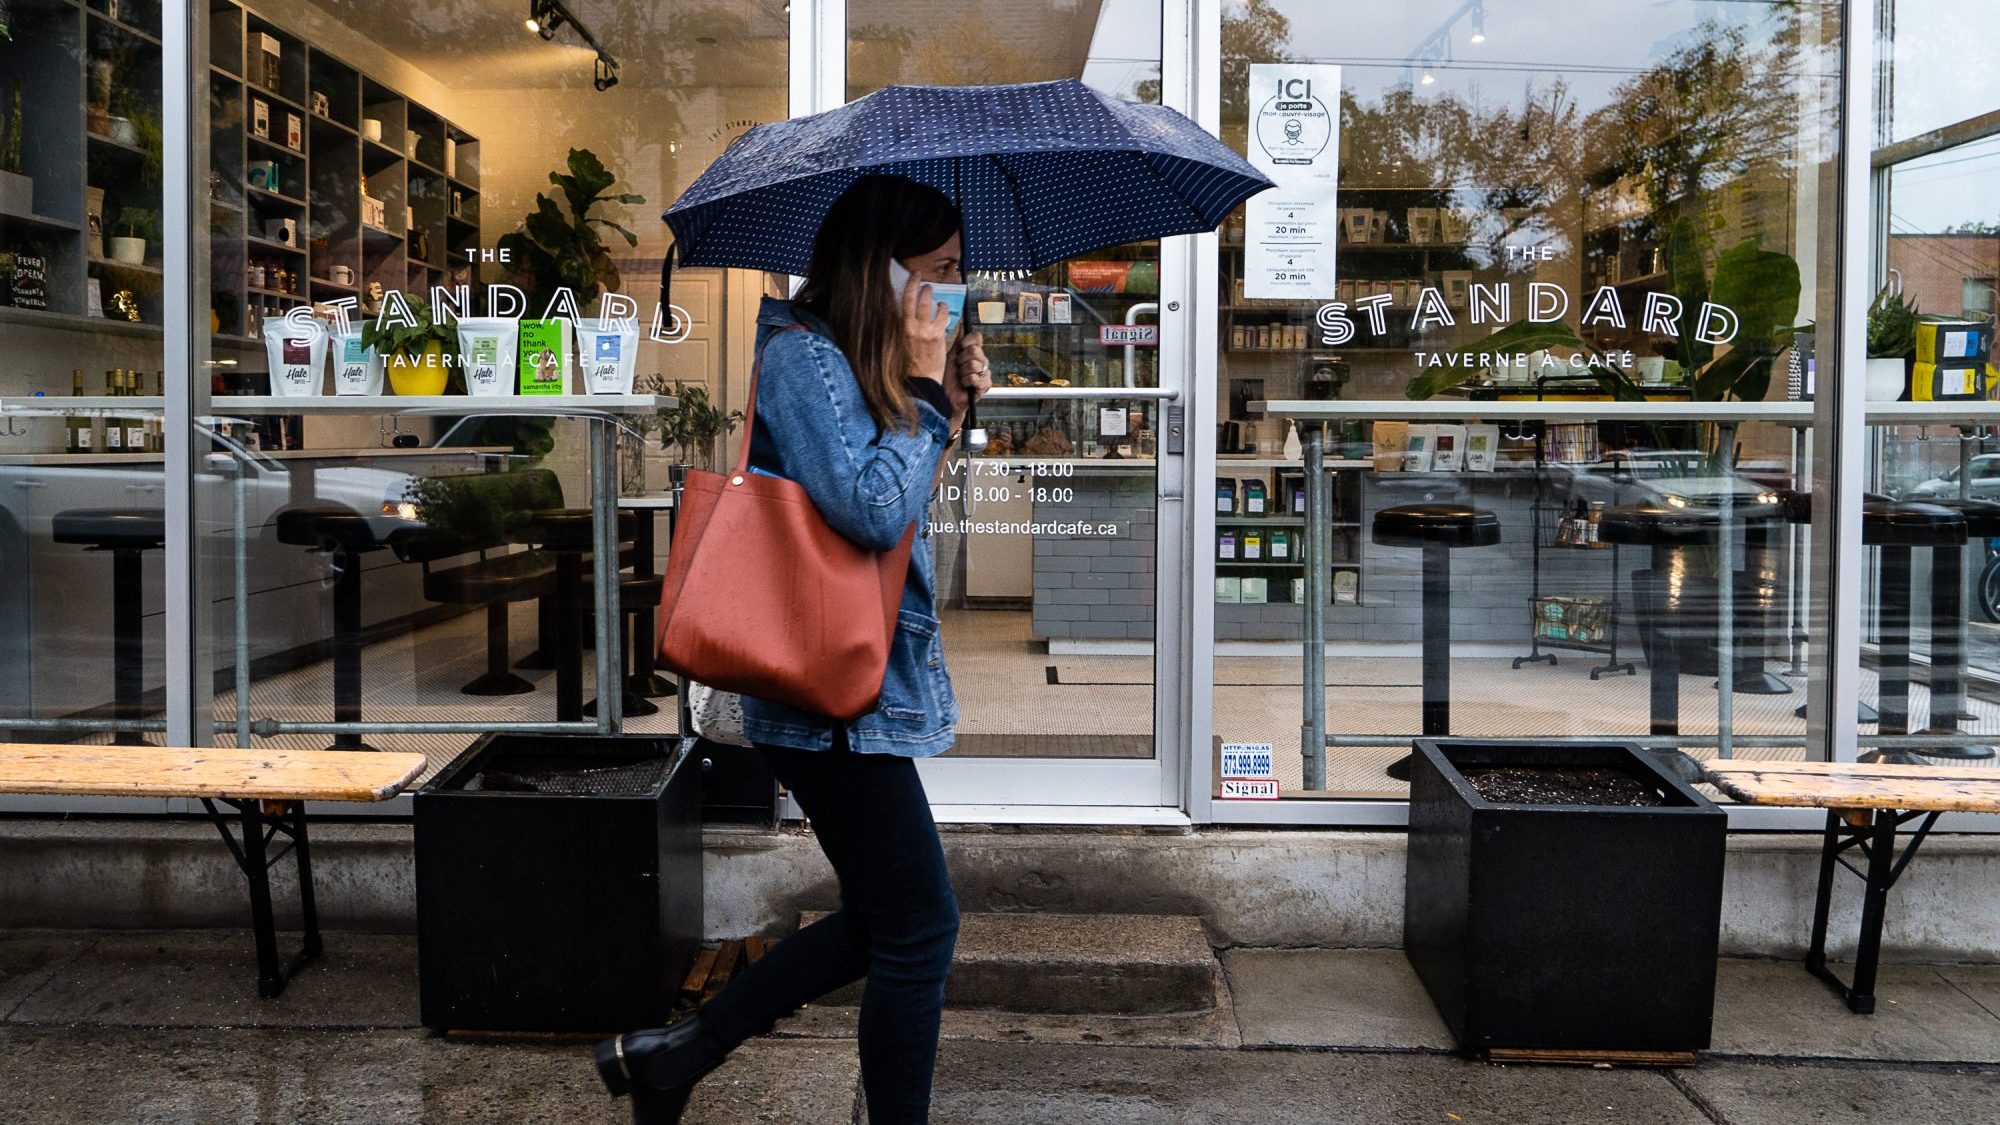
(1289, 230)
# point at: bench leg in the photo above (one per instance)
(270, 979)
(1877, 841)
(259, 822)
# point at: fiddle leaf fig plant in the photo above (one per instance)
(554, 247)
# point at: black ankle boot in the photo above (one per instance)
(659, 1068)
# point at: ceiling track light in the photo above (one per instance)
(546, 16)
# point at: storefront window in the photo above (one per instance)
(1600, 219)
(484, 191)
(1928, 84)
(1049, 544)
(1929, 619)
(82, 502)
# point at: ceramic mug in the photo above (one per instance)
(343, 275)
(371, 129)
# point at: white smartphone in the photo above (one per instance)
(952, 296)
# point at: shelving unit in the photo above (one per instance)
(1345, 539)
(423, 171)
(86, 78)
(1547, 523)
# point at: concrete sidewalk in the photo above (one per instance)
(165, 1027)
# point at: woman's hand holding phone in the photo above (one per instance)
(924, 321)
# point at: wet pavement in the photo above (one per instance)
(165, 1028)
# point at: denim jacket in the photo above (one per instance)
(869, 484)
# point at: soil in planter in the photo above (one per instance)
(567, 779)
(1561, 785)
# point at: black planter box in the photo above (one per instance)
(1563, 927)
(737, 787)
(558, 883)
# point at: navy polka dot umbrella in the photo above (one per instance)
(1041, 171)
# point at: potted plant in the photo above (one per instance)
(17, 191)
(413, 355)
(1892, 345)
(1563, 898)
(136, 228)
(692, 427)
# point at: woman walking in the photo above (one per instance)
(860, 395)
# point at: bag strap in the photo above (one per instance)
(750, 407)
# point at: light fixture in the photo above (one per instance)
(545, 16)
(1428, 77)
(1478, 25)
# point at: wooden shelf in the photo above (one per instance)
(274, 146)
(256, 193)
(281, 99)
(104, 142)
(122, 26)
(39, 222)
(274, 247)
(128, 267)
(75, 322)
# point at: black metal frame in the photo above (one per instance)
(1876, 840)
(1608, 648)
(260, 823)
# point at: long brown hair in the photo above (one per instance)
(847, 284)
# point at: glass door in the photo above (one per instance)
(1059, 573)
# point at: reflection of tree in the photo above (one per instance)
(973, 52)
(1691, 128)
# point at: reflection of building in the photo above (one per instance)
(1948, 274)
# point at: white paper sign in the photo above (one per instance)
(1289, 230)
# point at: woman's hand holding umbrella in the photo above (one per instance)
(969, 377)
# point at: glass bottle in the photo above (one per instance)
(78, 437)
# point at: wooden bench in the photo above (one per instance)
(1867, 804)
(267, 789)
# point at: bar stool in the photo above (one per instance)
(566, 533)
(1664, 531)
(1439, 529)
(638, 597)
(1896, 528)
(1982, 521)
(126, 533)
(344, 536)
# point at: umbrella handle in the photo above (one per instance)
(973, 435)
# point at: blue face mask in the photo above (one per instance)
(951, 295)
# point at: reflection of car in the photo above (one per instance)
(381, 496)
(1985, 482)
(1676, 478)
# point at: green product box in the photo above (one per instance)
(545, 348)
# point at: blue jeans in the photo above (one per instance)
(897, 924)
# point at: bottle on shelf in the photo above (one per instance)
(114, 425)
(136, 438)
(78, 434)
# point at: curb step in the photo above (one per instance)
(1074, 964)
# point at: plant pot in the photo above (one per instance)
(1563, 927)
(421, 374)
(127, 250)
(559, 883)
(17, 195)
(1887, 380)
(123, 131)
